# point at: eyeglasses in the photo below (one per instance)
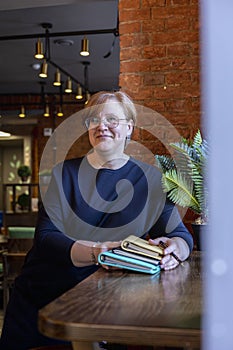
(110, 121)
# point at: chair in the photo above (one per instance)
(20, 238)
(16, 245)
(13, 258)
(12, 265)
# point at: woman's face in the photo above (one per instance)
(105, 137)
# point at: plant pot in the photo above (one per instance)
(198, 232)
(24, 178)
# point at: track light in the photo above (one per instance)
(57, 79)
(85, 47)
(39, 50)
(68, 88)
(79, 94)
(59, 112)
(22, 112)
(44, 70)
(46, 111)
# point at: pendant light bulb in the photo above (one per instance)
(22, 112)
(39, 50)
(44, 70)
(79, 94)
(85, 47)
(57, 79)
(46, 111)
(68, 88)
(59, 112)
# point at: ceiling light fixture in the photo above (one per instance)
(46, 111)
(84, 52)
(63, 42)
(22, 112)
(44, 70)
(79, 94)
(59, 112)
(68, 88)
(57, 80)
(4, 134)
(85, 47)
(39, 50)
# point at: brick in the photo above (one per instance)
(180, 2)
(154, 51)
(134, 66)
(131, 81)
(167, 38)
(129, 52)
(177, 23)
(135, 14)
(132, 27)
(178, 77)
(126, 41)
(179, 50)
(153, 3)
(178, 105)
(141, 39)
(129, 4)
(153, 25)
(154, 79)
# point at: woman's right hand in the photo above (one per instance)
(84, 253)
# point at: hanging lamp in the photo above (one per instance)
(85, 47)
(68, 88)
(57, 79)
(22, 112)
(79, 94)
(60, 112)
(44, 70)
(39, 50)
(46, 111)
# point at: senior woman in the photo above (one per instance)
(92, 203)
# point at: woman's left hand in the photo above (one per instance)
(175, 245)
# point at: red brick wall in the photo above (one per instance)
(159, 62)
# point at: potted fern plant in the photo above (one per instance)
(183, 176)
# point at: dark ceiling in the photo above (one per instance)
(20, 24)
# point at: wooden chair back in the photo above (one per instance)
(12, 265)
(12, 261)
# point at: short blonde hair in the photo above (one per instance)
(118, 96)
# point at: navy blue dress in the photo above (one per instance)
(83, 203)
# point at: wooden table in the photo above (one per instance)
(129, 308)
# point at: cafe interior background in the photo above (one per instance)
(153, 53)
(151, 50)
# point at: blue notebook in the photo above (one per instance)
(126, 260)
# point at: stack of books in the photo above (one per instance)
(134, 254)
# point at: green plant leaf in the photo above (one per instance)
(184, 174)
